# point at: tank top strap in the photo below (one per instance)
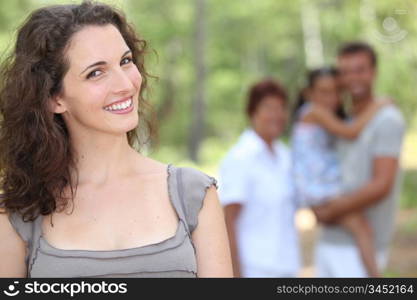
(187, 189)
(30, 232)
(173, 194)
(37, 233)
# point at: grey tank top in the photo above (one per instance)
(173, 257)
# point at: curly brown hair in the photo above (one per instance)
(37, 162)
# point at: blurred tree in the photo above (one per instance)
(312, 35)
(199, 109)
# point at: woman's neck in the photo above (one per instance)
(103, 158)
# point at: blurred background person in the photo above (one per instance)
(317, 175)
(370, 171)
(257, 192)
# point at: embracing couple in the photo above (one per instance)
(346, 168)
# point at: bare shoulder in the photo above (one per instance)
(7, 231)
(147, 165)
(211, 240)
(211, 208)
(12, 250)
(5, 225)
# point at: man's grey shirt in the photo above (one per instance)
(382, 137)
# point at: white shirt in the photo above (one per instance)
(261, 182)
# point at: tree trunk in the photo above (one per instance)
(313, 46)
(198, 105)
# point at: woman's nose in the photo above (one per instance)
(121, 82)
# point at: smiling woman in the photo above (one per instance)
(101, 82)
(78, 200)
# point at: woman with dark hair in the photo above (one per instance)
(78, 199)
(317, 174)
(256, 190)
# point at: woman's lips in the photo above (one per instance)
(120, 107)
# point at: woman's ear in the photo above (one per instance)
(57, 105)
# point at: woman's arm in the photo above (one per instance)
(340, 128)
(12, 250)
(232, 212)
(210, 239)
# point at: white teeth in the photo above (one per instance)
(119, 106)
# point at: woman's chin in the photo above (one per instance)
(126, 128)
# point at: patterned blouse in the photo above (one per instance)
(317, 172)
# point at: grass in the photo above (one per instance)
(409, 227)
(409, 189)
(409, 165)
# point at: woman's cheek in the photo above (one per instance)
(135, 77)
(100, 92)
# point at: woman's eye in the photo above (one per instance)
(94, 73)
(126, 60)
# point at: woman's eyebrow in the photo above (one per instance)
(101, 62)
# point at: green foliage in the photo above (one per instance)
(408, 196)
(248, 40)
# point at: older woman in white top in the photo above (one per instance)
(257, 192)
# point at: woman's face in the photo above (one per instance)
(325, 92)
(270, 117)
(101, 88)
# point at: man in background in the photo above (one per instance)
(370, 170)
